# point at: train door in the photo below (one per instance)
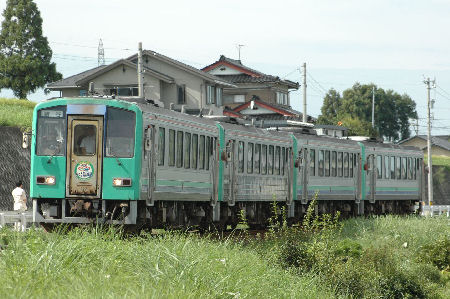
(230, 170)
(302, 180)
(84, 156)
(372, 170)
(358, 181)
(149, 157)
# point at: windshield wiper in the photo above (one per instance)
(117, 159)
(58, 148)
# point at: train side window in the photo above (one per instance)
(392, 167)
(171, 147)
(416, 167)
(277, 160)
(283, 157)
(398, 168)
(333, 163)
(410, 169)
(339, 164)
(250, 158)
(207, 152)
(327, 163)
(404, 170)
(241, 157)
(346, 165)
(350, 162)
(257, 157)
(270, 160)
(194, 151)
(201, 152)
(179, 149)
(379, 167)
(264, 159)
(312, 162)
(387, 169)
(321, 162)
(187, 150)
(161, 145)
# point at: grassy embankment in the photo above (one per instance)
(16, 113)
(387, 257)
(439, 161)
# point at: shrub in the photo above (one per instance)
(437, 253)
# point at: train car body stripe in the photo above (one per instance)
(220, 162)
(363, 172)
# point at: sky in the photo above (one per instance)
(394, 44)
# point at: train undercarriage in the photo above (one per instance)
(202, 215)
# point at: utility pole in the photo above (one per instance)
(305, 116)
(140, 73)
(373, 107)
(430, 163)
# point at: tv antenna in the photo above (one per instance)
(101, 53)
(239, 46)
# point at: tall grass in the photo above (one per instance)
(379, 257)
(16, 113)
(92, 263)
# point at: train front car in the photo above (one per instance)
(85, 162)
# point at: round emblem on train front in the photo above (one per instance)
(84, 170)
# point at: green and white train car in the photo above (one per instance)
(130, 162)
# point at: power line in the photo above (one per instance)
(317, 82)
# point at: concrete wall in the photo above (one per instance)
(14, 166)
(71, 92)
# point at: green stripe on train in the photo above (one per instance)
(183, 183)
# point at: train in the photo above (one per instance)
(129, 162)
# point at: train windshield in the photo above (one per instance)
(51, 131)
(120, 128)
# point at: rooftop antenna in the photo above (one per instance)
(101, 53)
(239, 50)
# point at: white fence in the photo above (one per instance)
(21, 219)
(435, 210)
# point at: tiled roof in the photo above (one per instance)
(72, 80)
(442, 143)
(249, 75)
(279, 111)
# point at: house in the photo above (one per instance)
(250, 83)
(440, 146)
(269, 113)
(168, 82)
(330, 130)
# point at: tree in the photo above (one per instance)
(354, 110)
(330, 108)
(25, 56)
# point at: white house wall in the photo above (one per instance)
(119, 77)
(195, 86)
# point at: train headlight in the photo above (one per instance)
(121, 182)
(45, 180)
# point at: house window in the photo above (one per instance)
(282, 98)
(124, 91)
(210, 94)
(239, 98)
(181, 94)
(219, 93)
